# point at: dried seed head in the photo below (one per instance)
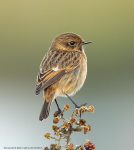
(89, 127)
(56, 120)
(58, 147)
(76, 110)
(82, 122)
(65, 125)
(82, 109)
(85, 128)
(66, 107)
(79, 147)
(54, 128)
(91, 108)
(47, 135)
(52, 146)
(57, 132)
(46, 148)
(72, 120)
(70, 147)
(86, 106)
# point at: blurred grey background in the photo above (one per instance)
(27, 29)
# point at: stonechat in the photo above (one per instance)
(62, 71)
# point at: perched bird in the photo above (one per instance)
(63, 70)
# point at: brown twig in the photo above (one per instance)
(69, 133)
(66, 129)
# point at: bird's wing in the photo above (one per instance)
(54, 65)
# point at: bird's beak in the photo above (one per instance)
(86, 42)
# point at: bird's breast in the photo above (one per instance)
(74, 80)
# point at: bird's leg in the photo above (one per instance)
(76, 106)
(59, 110)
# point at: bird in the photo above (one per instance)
(62, 71)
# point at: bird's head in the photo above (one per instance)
(69, 41)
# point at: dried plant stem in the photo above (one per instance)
(66, 129)
(64, 119)
(69, 134)
(54, 138)
(59, 141)
(86, 137)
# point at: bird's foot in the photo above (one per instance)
(76, 105)
(58, 111)
(79, 106)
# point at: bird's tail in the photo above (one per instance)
(45, 110)
(49, 96)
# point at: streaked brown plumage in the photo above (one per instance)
(62, 71)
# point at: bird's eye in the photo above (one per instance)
(72, 42)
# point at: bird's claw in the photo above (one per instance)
(79, 106)
(59, 111)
